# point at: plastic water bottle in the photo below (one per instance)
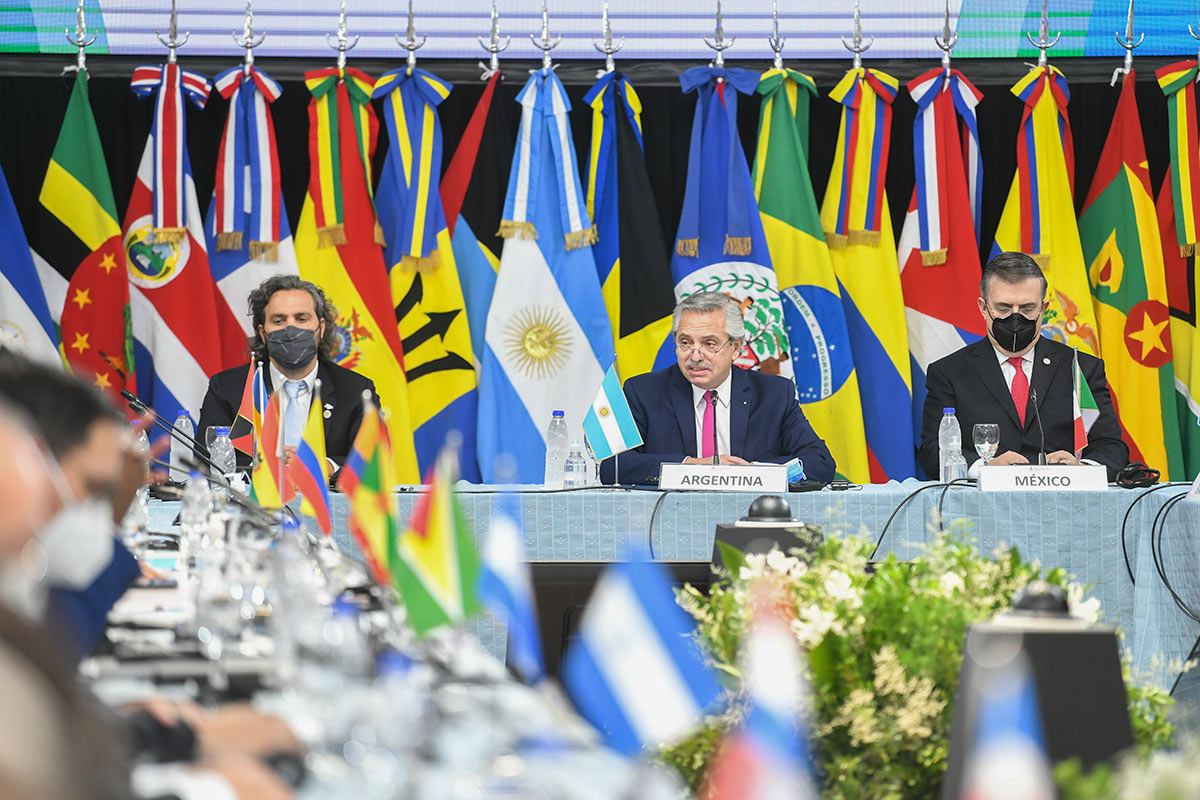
(222, 455)
(179, 470)
(137, 518)
(575, 468)
(951, 462)
(193, 516)
(556, 451)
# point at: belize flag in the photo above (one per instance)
(172, 295)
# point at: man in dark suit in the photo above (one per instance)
(1015, 377)
(294, 333)
(679, 410)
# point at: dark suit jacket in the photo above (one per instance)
(341, 395)
(765, 424)
(970, 381)
(79, 616)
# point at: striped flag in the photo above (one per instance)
(247, 230)
(1039, 215)
(631, 258)
(307, 469)
(819, 341)
(507, 590)
(1086, 410)
(173, 297)
(1123, 250)
(633, 669)
(938, 252)
(858, 228)
(609, 425)
(435, 565)
(423, 274)
(267, 477)
(367, 481)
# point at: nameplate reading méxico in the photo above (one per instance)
(724, 477)
(1048, 478)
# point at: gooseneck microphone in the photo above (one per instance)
(1041, 430)
(141, 408)
(716, 457)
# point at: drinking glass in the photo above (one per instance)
(987, 440)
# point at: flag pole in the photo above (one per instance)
(546, 43)
(607, 48)
(856, 44)
(616, 456)
(776, 41)
(341, 41)
(947, 40)
(173, 40)
(248, 39)
(493, 46)
(1129, 46)
(81, 40)
(1043, 42)
(409, 42)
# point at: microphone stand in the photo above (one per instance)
(1041, 430)
(141, 408)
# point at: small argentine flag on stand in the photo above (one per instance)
(506, 589)
(634, 671)
(609, 425)
(1086, 410)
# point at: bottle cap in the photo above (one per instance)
(221, 431)
(557, 414)
(948, 410)
(183, 412)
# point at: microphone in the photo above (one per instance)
(1041, 430)
(239, 497)
(716, 458)
(141, 408)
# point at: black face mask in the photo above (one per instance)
(1015, 332)
(292, 347)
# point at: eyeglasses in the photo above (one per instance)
(709, 348)
(1028, 310)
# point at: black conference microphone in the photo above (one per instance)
(716, 457)
(1041, 430)
(141, 408)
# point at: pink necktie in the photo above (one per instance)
(709, 425)
(1019, 388)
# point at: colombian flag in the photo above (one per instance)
(307, 470)
(1123, 251)
(858, 228)
(1039, 215)
(822, 362)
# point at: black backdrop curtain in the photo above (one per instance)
(33, 99)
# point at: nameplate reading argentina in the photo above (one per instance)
(724, 477)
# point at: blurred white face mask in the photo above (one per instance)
(77, 543)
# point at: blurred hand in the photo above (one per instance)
(135, 469)
(288, 452)
(1006, 458)
(169, 712)
(250, 778)
(724, 459)
(238, 728)
(1062, 457)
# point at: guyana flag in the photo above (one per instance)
(1123, 251)
(436, 565)
(822, 363)
(632, 260)
(79, 236)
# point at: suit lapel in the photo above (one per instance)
(983, 361)
(328, 395)
(1045, 363)
(685, 412)
(739, 410)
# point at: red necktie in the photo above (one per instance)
(1019, 388)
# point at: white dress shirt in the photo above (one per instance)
(722, 420)
(303, 398)
(1009, 372)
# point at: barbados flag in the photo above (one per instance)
(1039, 215)
(548, 336)
(1118, 231)
(422, 271)
(858, 228)
(821, 358)
(720, 246)
(307, 470)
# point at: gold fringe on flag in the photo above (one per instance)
(1042, 259)
(689, 248)
(379, 237)
(331, 235)
(510, 229)
(933, 258)
(869, 238)
(737, 245)
(837, 241)
(1187, 250)
(169, 235)
(424, 265)
(578, 239)
(230, 240)
(264, 251)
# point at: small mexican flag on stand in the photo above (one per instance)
(1086, 410)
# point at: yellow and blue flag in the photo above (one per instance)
(858, 228)
(307, 469)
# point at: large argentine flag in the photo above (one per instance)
(548, 340)
(633, 671)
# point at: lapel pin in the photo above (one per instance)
(1046, 361)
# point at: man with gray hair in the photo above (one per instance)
(686, 413)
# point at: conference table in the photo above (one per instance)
(1086, 533)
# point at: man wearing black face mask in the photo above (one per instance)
(294, 334)
(997, 379)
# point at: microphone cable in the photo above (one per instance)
(1125, 522)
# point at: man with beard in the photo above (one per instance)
(680, 410)
(1019, 380)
